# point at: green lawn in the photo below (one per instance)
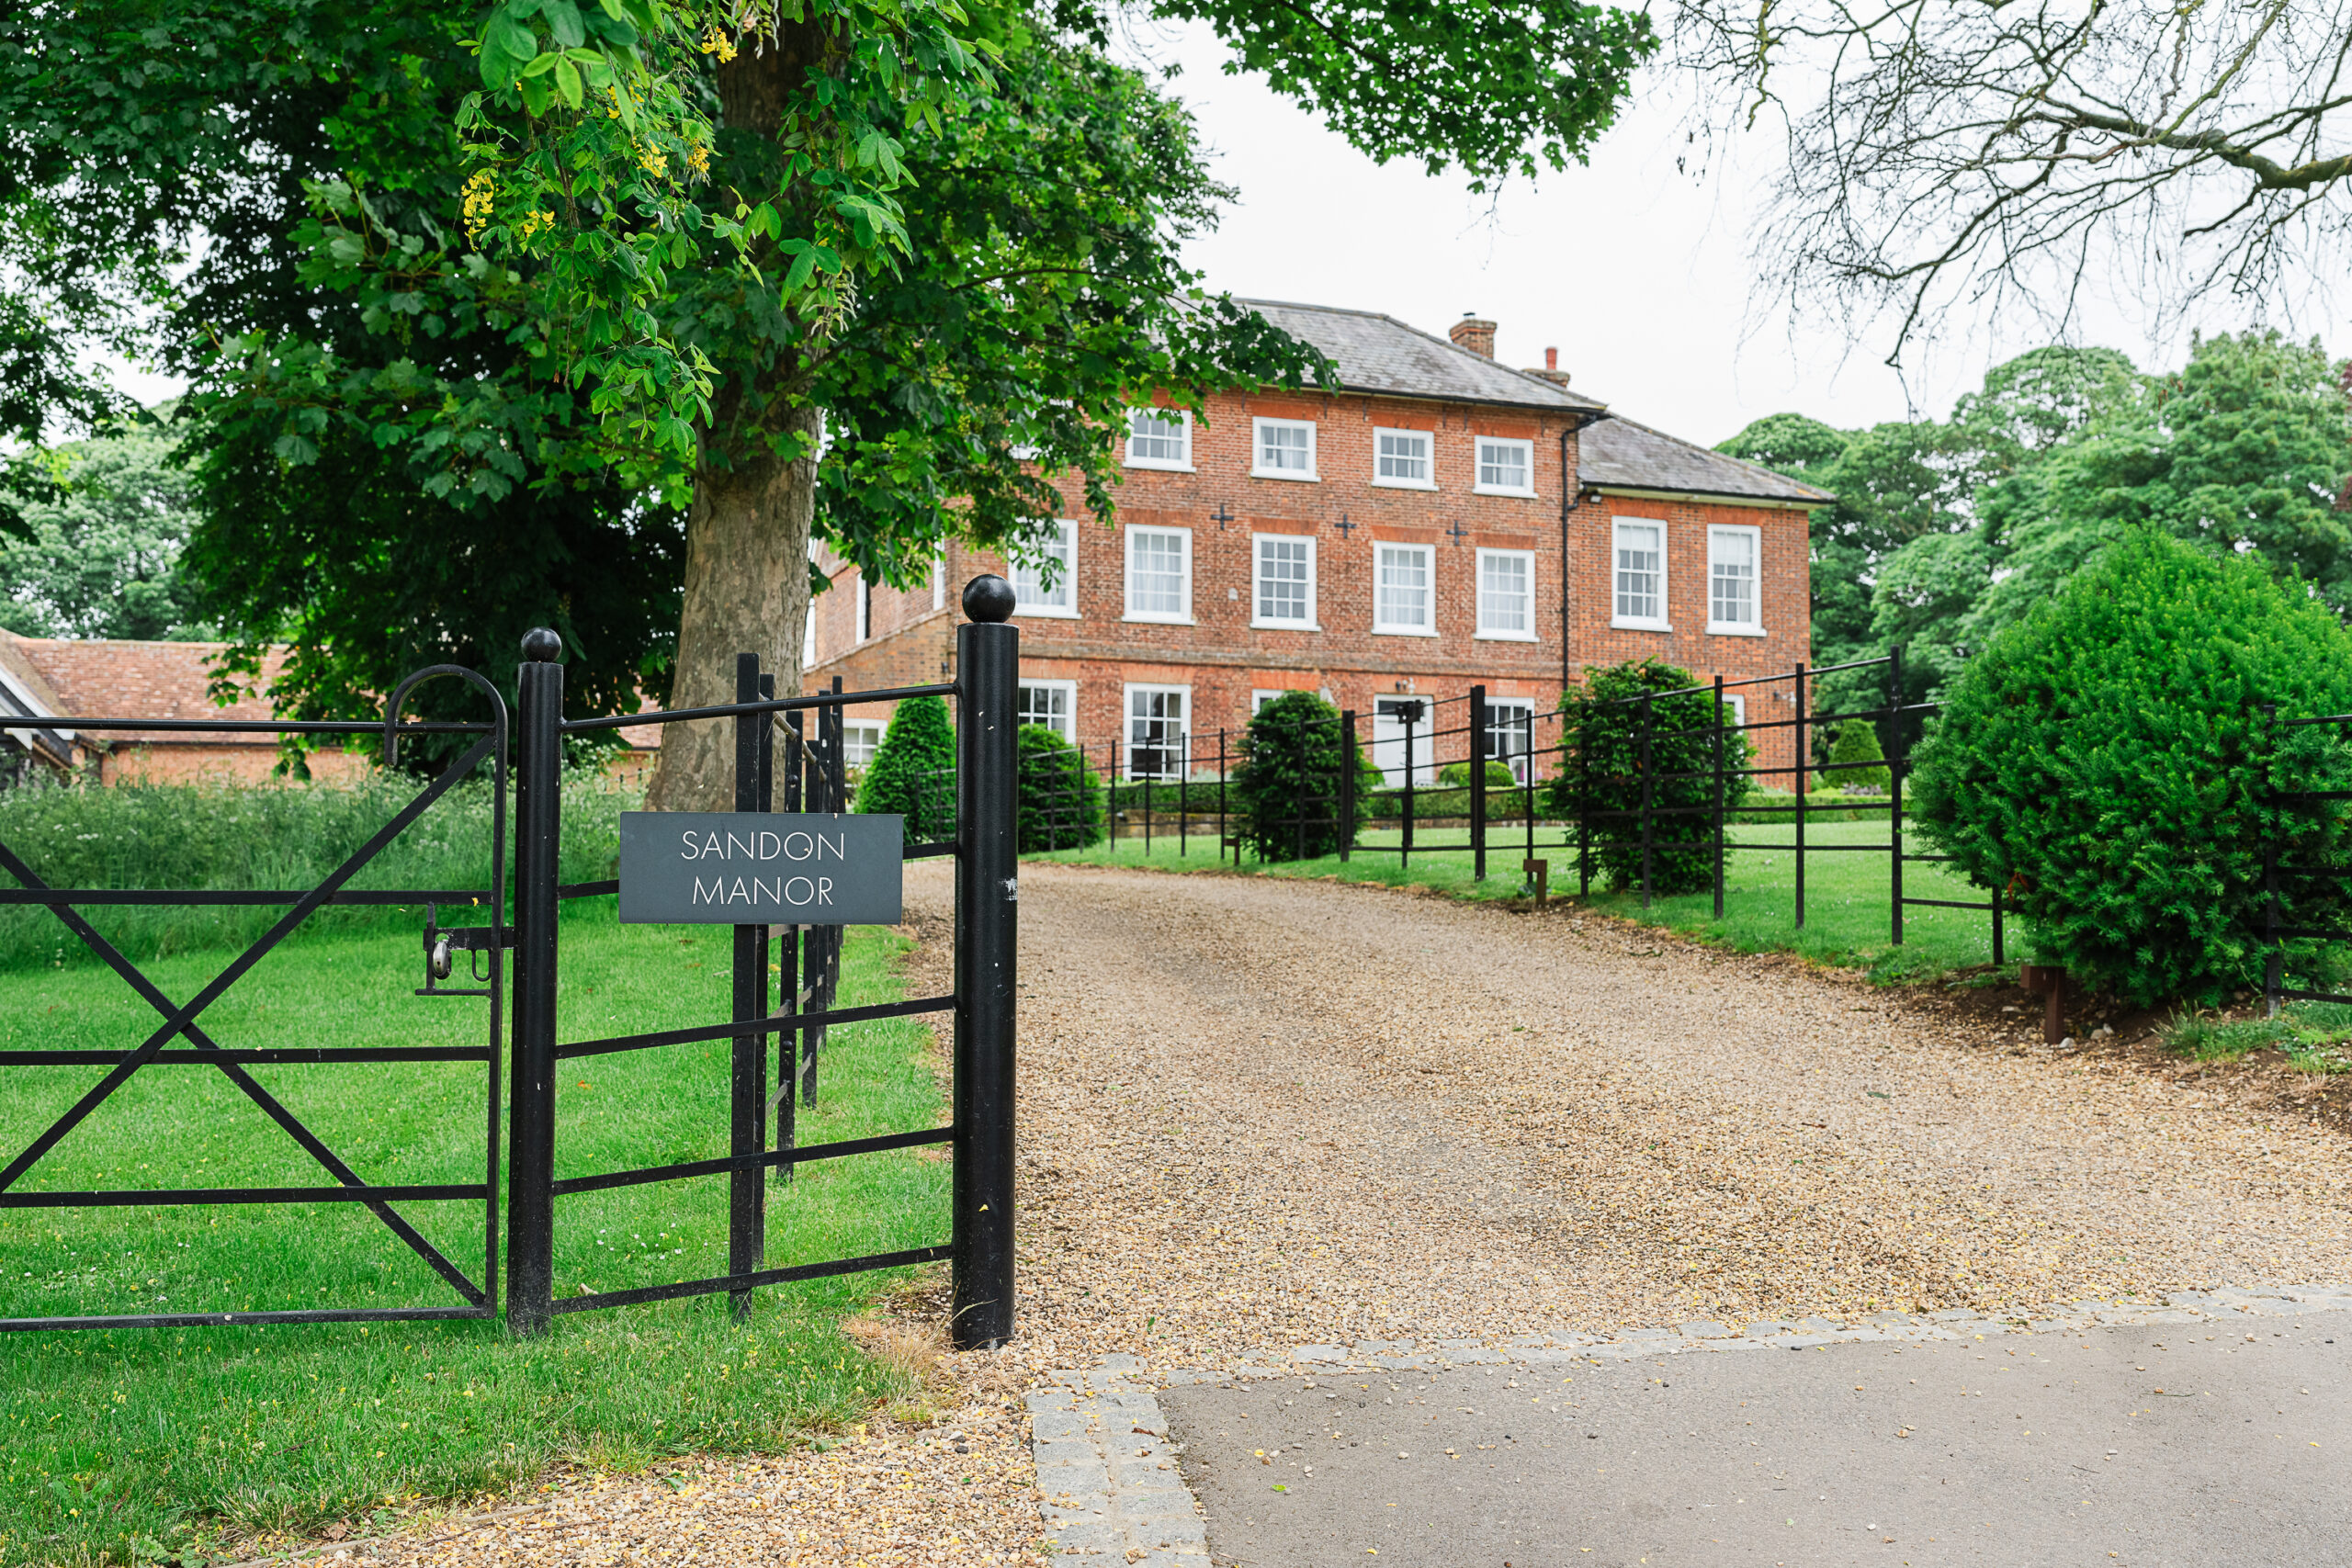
(177, 1442)
(1845, 892)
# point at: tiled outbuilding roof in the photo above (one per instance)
(104, 678)
(1618, 454)
(1380, 353)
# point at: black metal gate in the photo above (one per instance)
(182, 1022)
(792, 1020)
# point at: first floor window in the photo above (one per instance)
(1507, 594)
(1286, 448)
(1403, 459)
(1048, 702)
(1508, 467)
(1641, 573)
(1159, 438)
(1731, 580)
(1160, 574)
(1285, 589)
(859, 742)
(865, 608)
(1156, 731)
(1511, 729)
(1045, 570)
(1405, 602)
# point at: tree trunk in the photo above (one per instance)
(747, 533)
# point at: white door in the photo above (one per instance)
(1388, 739)
(1512, 727)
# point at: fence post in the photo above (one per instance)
(1478, 748)
(793, 964)
(1347, 824)
(1405, 855)
(1894, 789)
(1184, 798)
(1719, 798)
(1647, 852)
(1224, 824)
(1803, 752)
(747, 1080)
(1584, 813)
(538, 836)
(987, 665)
(2273, 968)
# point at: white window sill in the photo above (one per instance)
(1379, 483)
(1402, 631)
(1257, 624)
(1043, 612)
(1163, 467)
(1625, 624)
(1291, 474)
(1158, 620)
(1716, 629)
(1498, 490)
(1504, 637)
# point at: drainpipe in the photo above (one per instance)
(1571, 497)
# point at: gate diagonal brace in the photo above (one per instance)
(181, 1020)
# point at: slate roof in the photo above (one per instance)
(1618, 454)
(1380, 353)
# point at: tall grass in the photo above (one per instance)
(251, 838)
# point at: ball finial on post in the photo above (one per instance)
(989, 597)
(541, 646)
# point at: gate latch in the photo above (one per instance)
(441, 945)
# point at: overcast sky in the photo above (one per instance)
(1635, 272)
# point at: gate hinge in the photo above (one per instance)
(441, 945)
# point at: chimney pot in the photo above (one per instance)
(1551, 359)
(1474, 334)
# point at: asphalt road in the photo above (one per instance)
(2131, 1447)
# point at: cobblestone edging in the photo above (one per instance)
(1113, 1495)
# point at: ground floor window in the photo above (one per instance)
(859, 742)
(1050, 704)
(1157, 727)
(1401, 743)
(1511, 722)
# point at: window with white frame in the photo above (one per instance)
(1045, 570)
(1732, 554)
(1283, 591)
(939, 579)
(1159, 438)
(1285, 449)
(1160, 574)
(1402, 458)
(1737, 703)
(1510, 728)
(1641, 575)
(859, 742)
(1156, 731)
(1404, 597)
(1050, 704)
(865, 608)
(1507, 594)
(1505, 467)
(1258, 699)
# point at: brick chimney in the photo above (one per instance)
(1471, 333)
(1551, 371)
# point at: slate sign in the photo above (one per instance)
(760, 868)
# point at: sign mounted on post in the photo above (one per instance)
(762, 868)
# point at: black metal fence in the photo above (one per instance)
(787, 752)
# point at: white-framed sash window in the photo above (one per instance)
(1052, 704)
(1505, 467)
(865, 608)
(1160, 574)
(1507, 595)
(1510, 728)
(859, 742)
(1734, 554)
(1282, 591)
(1640, 575)
(1737, 703)
(1261, 696)
(1158, 720)
(1159, 438)
(1405, 590)
(1399, 747)
(1044, 571)
(1404, 458)
(1282, 449)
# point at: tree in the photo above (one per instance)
(913, 771)
(1856, 744)
(104, 558)
(1061, 800)
(1290, 782)
(1622, 754)
(1938, 154)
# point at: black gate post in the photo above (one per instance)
(1347, 785)
(539, 826)
(1719, 798)
(1478, 748)
(1646, 855)
(1803, 755)
(746, 1086)
(988, 668)
(1894, 790)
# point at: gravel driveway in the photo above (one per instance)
(1264, 1113)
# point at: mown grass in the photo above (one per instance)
(1846, 893)
(163, 1445)
(2316, 1037)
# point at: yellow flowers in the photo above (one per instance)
(718, 43)
(480, 196)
